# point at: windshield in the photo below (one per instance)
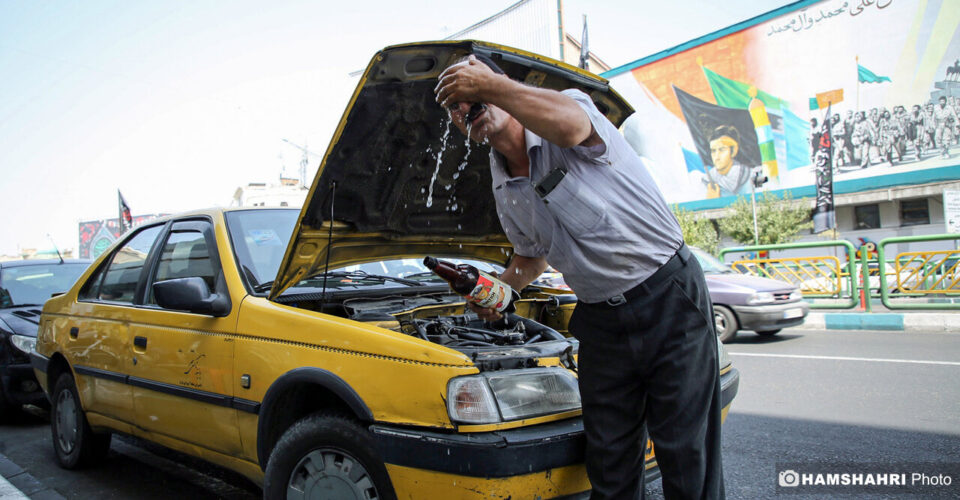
(260, 239)
(709, 263)
(23, 285)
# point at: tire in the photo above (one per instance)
(769, 333)
(725, 323)
(326, 456)
(75, 444)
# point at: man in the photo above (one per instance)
(838, 135)
(864, 138)
(728, 176)
(570, 190)
(945, 118)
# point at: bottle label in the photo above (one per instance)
(490, 292)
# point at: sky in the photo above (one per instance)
(177, 104)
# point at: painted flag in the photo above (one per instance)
(867, 76)
(829, 97)
(824, 215)
(584, 49)
(126, 219)
(768, 151)
(795, 131)
(693, 161)
(705, 121)
(733, 94)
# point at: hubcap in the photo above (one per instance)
(330, 473)
(66, 417)
(720, 323)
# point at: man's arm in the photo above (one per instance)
(547, 113)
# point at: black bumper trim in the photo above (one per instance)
(729, 385)
(39, 361)
(485, 454)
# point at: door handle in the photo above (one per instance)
(140, 342)
(74, 332)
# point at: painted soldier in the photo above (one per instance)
(863, 138)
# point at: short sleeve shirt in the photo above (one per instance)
(605, 226)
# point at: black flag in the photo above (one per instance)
(584, 49)
(824, 215)
(126, 219)
(704, 119)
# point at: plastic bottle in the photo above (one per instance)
(475, 285)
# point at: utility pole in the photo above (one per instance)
(757, 180)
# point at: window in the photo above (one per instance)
(119, 282)
(185, 255)
(914, 212)
(866, 217)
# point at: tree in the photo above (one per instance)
(778, 220)
(697, 230)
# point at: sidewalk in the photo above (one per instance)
(884, 319)
(17, 484)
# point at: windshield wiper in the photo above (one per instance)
(361, 275)
(263, 287)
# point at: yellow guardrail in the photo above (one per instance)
(927, 273)
(814, 275)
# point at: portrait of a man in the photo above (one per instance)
(728, 176)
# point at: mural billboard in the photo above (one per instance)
(751, 101)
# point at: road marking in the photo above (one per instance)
(844, 358)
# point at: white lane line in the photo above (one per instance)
(844, 358)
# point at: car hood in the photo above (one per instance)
(754, 283)
(21, 320)
(399, 180)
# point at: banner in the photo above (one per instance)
(125, 218)
(824, 215)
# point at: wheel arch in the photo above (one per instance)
(56, 366)
(299, 393)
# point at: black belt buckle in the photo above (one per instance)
(616, 300)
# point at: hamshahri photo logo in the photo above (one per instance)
(868, 477)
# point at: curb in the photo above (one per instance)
(16, 483)
(896, 322)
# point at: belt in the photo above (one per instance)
(672, 265)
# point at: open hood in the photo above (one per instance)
(399, 180)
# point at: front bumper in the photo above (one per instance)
(20, 385)
(771, 316)
(540, 461)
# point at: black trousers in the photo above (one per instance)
(652, 362)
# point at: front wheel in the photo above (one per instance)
(75, 444)
(326, 456)
(725, 323)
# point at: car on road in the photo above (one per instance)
(745, 302)
(309, 350)
(24, 286)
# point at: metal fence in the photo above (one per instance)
(909, 280)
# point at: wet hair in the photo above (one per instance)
(485, 60)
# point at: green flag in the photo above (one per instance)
(867, 76)
(733, 94)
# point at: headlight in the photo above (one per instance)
(722, 357)
(511, 395)
(796, 295)
(25, 344)
(760, 298)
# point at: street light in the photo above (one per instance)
(757, 181)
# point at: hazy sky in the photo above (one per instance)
(178, 103)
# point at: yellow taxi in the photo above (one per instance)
(310, 350)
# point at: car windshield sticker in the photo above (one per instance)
(263, 237)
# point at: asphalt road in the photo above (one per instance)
(805, 396)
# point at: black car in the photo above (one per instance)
(24, 286)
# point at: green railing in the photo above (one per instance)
(851, 267)
(929, 273)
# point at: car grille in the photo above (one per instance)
(781, 296)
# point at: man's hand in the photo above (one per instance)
(463, 82)
(487, 314)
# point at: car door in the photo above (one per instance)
(182, 376)
(98, 342)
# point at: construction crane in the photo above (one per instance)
(304, 160)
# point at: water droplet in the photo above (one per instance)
(456, 176)
(458, 227)
(454, 208)
(436, 171)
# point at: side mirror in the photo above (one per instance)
(192, 295)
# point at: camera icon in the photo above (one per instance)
(788, 478)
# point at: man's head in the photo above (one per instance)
(943, 102)
(724, 146)
(476, 120)
(849, 114)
